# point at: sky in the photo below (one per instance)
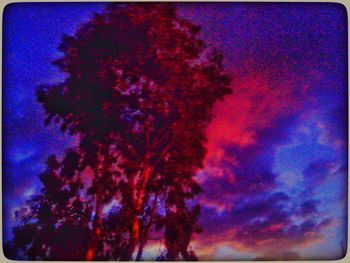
(275, 175)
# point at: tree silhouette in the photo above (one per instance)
(139, 92)
(54, 225)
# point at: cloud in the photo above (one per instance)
(308, 207)
(22, 155)
(241, 204)
(243, 137)
(261, 224)
(318, 171)
(334, 127)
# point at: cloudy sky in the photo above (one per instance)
(275, 179)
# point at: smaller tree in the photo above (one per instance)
(54, 225)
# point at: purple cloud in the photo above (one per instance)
(308, 207)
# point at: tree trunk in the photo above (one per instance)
(140, 196)
(143, 239)
(91, 252)
(135, 232)
(135, 235)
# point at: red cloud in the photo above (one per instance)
(255, 105)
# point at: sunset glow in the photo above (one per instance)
(274, 179)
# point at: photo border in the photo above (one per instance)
(5, 3)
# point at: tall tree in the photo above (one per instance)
(139, 92)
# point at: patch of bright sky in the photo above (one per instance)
(303, 150)
(228, 253)
(290, 162)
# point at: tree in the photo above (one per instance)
(139, 92)
(54, 225)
